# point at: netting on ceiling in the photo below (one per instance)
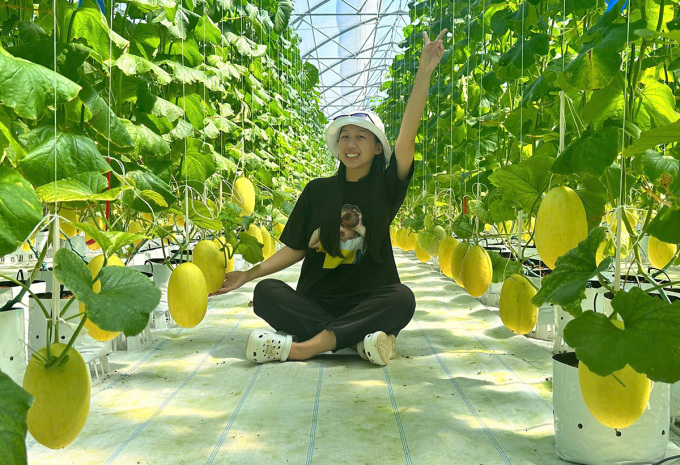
(352, 43)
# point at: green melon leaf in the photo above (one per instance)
(89, 186)
(503, 267)
(144, 180)
(90, 24)
(133, 65)
(591, 153)
(74, 154)
(201, 214)
(104, 121)
(666, 134)
(125, 300)
(72, 272)
(249, 248)
(654, 165)
(20, 210)
(566, 284)
(148, 145)
(650, 342)
(666, 226)
(283, 12)
(110, 241)
(28, 88)
(524, 183)
(199, 164)
(14, 405)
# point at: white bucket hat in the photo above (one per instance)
(363, 119)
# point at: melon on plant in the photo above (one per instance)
(210, 259)
(611, 218)
(518, 314)
(89, 241)
(95, 267)
(477, 271)
(269, 246)
(135, 227)
(69, 216)
(254, 231)
(560, 224)
(401, 238)
(393, 234)
(660, 253)
(279, 227)
(187, 295)
(615, 403)
(410, 238)
(457, 262)
(61, 397)
(244, 196)
(222, 243)
(445, 253)
(421, 254)
(429, 240)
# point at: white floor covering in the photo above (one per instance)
(463, 390)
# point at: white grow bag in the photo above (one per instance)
(580, 438)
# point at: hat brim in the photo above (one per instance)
(333, 134)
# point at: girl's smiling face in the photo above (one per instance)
(357, 147)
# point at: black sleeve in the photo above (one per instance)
(396, 188)
(294, 234)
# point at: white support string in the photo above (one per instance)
(186, 170)
(622, 194)
(479, 120)
(56, 297)
(450, 152)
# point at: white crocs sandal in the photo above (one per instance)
(265, 346)
(378, 348)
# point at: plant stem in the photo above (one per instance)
(26, 289)
(63, 354)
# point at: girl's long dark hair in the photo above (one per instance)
(375, 215)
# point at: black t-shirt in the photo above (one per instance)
(333, 280)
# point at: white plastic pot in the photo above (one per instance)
(12, 344)
(580, 438)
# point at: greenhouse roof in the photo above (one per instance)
(352, 43)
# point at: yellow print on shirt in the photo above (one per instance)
(352, 233)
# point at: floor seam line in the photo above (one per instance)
(232, 419)
(467, 402)
(397, 417)
(172, 396)
(315, 416)
(502, 362)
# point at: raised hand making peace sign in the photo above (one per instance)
(432, 52)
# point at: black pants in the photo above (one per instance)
(388, 309)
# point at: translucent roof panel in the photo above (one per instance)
(352, 43)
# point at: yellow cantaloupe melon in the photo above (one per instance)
(210, 259)
(518, 314)
(187, 295)
(560, 224)
(477, 271)
(61, 397)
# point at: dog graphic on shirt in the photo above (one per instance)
(352, 233)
